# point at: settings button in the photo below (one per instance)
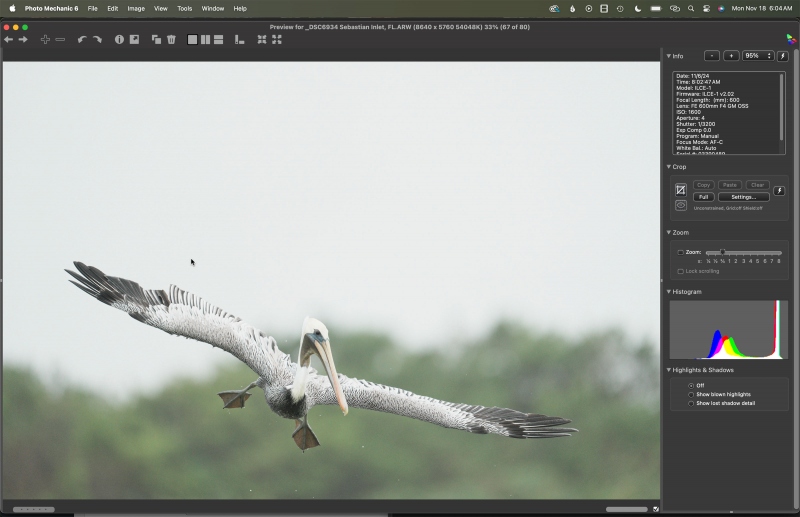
(744, 196)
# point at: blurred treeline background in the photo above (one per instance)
(63, 442)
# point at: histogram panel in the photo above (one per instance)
(752, 329)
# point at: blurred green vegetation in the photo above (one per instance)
(71, 444)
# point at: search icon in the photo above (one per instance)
(691, 8)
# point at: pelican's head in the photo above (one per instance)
(314, 340)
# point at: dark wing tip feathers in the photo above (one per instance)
(520, 425)
(111, 289)
(88, 290)
(132, 298)
(93, 282)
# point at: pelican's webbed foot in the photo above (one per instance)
(236, 399)
(303, 436)
(233, 399)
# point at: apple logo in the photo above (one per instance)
(12, 8)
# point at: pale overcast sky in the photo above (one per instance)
(424, 200)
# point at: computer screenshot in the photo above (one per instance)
(360, 257)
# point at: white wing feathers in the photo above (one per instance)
(185, 314)
(476, 419)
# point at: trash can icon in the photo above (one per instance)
(171, 39)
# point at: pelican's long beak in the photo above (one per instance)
(323, 350)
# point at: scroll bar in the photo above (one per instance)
(780, 102)
(796, 348)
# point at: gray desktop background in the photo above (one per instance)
(422, 203)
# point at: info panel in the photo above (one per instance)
(729, 209)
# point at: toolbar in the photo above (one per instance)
(767, 38)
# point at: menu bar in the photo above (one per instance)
(550, 9)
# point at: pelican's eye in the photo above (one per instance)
(317, 332)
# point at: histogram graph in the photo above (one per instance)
(752, 329)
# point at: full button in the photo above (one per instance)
(703, 196)
(712, 55)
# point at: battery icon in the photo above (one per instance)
(655, 8)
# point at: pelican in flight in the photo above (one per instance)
(292, 389)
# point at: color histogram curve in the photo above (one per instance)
(724, 347)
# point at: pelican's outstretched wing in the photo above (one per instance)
(184, 314)
(475, 419)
